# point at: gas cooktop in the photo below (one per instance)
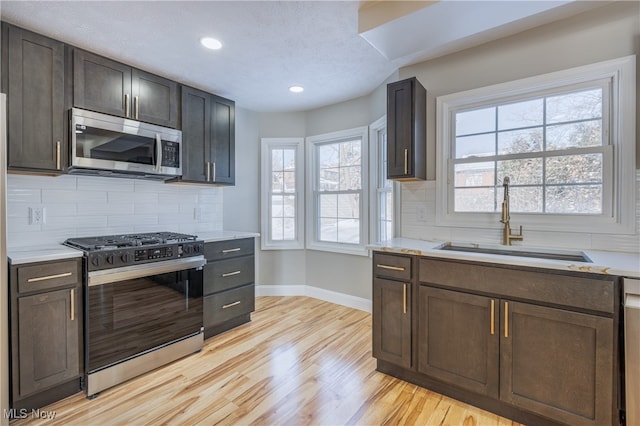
(111, 242)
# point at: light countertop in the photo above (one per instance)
(43, 253)
(209, 237)
(603, 262)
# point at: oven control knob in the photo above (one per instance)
(126, 258)
(188, 249)
(110, 259)
(96, 260)
(197, 248)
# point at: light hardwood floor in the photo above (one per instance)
(301, 361)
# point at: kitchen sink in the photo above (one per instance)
(566, 255)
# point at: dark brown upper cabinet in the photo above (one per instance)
(34, 81)
(110, 87)
(208, 138)
(406, 130)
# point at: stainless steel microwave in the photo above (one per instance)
(105, 145)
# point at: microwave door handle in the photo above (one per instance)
(158, 152)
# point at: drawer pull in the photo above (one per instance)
(391, 268)
(49, 277)
(233, 250)
(230, 274)
(231, 305)
(73, 304)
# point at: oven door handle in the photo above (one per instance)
(138, 271)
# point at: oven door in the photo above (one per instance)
(135, 309)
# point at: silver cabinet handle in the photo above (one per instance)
(214, 172)
(73, 304)
(231, 250)
(230, 274)
(136, 107)
(49, 277)
(406, 161)
(208, 171)
(58, 159)
(231, 304)
(126, 105)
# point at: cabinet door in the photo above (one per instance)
(155, 99)
(48, 344)
(458, 339)
(36, 137)
(196, 132)
(223, 129)
(406, 130)
(557, 363)
(101, 85)
(392, 321)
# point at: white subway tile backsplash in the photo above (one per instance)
(77, 206)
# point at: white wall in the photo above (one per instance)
(84, 206)
(609, 32)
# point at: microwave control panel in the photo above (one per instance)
(170, 154)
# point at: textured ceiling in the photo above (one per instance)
(268, 45)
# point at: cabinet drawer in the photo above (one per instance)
(229, 304)
(45, 276)
(392, 266)
(226, 274)
(228, 249)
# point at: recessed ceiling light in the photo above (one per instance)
(296, 89)
(210, 43)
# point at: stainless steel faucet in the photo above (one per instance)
(507, 236)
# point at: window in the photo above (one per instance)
(564, 140)
(383, 194)
(282, 193)
(337, 189)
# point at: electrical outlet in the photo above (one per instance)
(422, 214)
(197, 213)
(36, 215)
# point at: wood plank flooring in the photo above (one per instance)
(301, 361)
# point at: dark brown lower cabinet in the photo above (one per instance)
(392, 321)
(46, 323)
(557, 363)
(458, 340)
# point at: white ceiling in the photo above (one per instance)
(271, 45)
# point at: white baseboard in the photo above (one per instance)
(317, 293)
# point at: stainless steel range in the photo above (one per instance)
(143, 303)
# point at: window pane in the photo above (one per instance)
(328, 155)
(474, 174)
(277, 182)
(349, 231)
(474, 199)
(575, 135)
(477, 121)
(276, 206)
(585, 199)
(289, 181)
(276, 159)
(350, 178)
(520, 114)
(289, 229)
(350, 153)
(521, 172)
(289, 206)
(328, 230)
(575, 169)
(575, 106)
(476, 146)
(276, 229)
(329, 179)
(520, 141)
(329, 205)
(348, 206)
(525, 199)
(289, 159)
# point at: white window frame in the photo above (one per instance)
(375, 169)
(267, 146)
(313, 243)
(619, 213)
